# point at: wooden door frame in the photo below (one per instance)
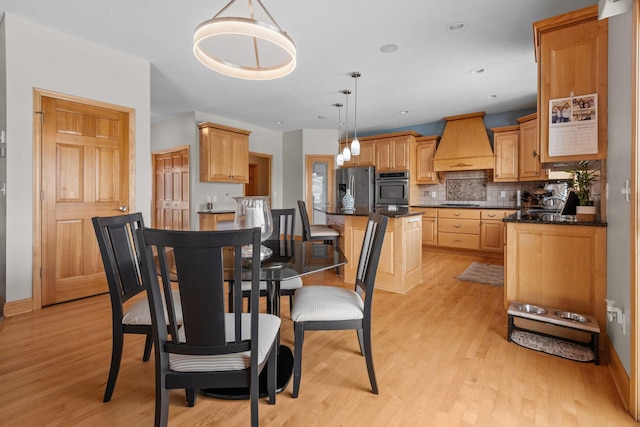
(634, 387)
(308, 170)
(38, 94)
(269, 158)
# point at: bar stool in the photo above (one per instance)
(312, 232)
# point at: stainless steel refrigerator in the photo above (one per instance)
(361, 181)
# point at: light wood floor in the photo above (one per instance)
(440, 353)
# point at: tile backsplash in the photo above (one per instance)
(474, 187)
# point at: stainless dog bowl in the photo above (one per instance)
(572, 316)
(529, 308)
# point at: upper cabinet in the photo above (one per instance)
(422, 172)
(224, 153)
(506, 149)
(571, 51)
(530, 167)
(367, 156)
(393, 153)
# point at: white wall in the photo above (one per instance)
(38, 57)
(618, 171)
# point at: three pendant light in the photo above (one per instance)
(347, 152)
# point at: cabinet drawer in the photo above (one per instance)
(428, 212)
(492, 214)
(462, 241)
(459, 213)
(464, 226)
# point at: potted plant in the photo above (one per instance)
(583, 179)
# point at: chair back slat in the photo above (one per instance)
(198, 272)
(120, 254)
(370, 256)
(283, 224)
(306, 226)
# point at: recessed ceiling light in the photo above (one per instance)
(322, 117)
(279, 122)
(492, 96)
(478, 71)
(404, 112)
(456, 26)
(389, 48)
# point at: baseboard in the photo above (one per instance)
(619, 375)
(12, 308)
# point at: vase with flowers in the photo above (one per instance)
(583, 179)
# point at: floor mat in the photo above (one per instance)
(488, 274)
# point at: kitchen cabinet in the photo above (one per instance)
(429, 226)
(392, 154)
(367, 156)
(400, 266)
(212, 221)
(459, 228)
(571, 51)
(530, 167)
(561, 266)
(422, 161)
(492, 230)
(224, 153)
(506, 141)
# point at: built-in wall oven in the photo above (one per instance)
(392, 189)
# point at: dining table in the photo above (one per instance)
(288, 259)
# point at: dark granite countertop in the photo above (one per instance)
(524, 216)
(217, 212)
(463, 206)
(365, 212)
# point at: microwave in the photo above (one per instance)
(392, 188)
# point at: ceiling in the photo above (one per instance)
(429, 76)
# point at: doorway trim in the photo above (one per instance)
(310, 159)
(38, 94)
(269, 160)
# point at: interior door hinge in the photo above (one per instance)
(41, 116)
(41, 195)
(41, 272)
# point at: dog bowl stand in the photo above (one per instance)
(550, 317)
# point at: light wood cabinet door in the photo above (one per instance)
(530, 166)
(572, 59)
(425, 150)
(224, 154)
(429, 231)
(505, 148)
(392, 154)
(367, 156)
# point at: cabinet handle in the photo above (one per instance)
(491, 215)
(534, 154)
(457, 226)
(456, 214)
(413, 220)
(457, 240)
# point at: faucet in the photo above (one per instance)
(560, 204)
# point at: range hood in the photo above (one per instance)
(464, 145)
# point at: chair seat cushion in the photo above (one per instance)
(326, 303)
(138, 313)
(295, 283)
(268, 327)
(322, 230)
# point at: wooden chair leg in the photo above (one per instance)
(368, 355)
(361, 341)
(297, 357)
(148, 346)
(191, 397)
(162, 405)
(116, 357)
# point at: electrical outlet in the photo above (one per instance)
(215, 198)
(434, 194)
(503, 194)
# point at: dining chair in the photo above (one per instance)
(212, 348)
(283, 228)
(323, 308)
(120, 256)
(315, 231)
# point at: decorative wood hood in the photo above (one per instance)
(464, 145)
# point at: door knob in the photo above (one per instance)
(122, 208)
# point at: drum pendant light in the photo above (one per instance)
(251, 46)
(346, 152)
(339, 157)
(355, 144)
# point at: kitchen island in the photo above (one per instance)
(400, 267)
(552, 260)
